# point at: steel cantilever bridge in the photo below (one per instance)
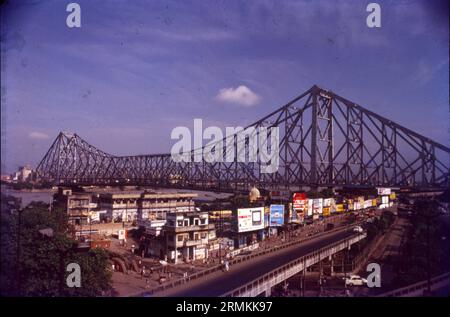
(324, 140)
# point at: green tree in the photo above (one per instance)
(36, 248)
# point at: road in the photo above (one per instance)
(219, 283)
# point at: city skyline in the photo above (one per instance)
(132, 75)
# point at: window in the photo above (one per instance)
(203, 235)
(180, 223)
(186, 222)
(203, 221)
(196, 222)
(180, 238)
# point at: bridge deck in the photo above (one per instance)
(219, 283)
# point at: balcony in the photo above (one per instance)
(209, 226)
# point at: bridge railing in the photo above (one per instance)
(246, 289)
(236, 260)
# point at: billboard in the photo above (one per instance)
(327, 202)
(276, 215)
(392, 196)
(326, 211)
(340, 208)
(317, 206)
(368, 203)
(310, 207)
(250, 219)
(384, 191)
(300, 205)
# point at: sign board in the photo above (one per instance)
(367, 203)
(385, 199)
(392, 196)
(340, 208)
(298, 200)
(310, 207)
(327, 202)
(318, 206)
(276, 215)
(250, 219)
(121, 234)
(384, 191)
(326, 211)
(300, 205)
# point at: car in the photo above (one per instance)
(358, 229)
(355, 280)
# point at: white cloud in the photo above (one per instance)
(38, 136)
(242, 95)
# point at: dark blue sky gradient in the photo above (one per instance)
(137, 69)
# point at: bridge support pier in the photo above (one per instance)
(268, 292)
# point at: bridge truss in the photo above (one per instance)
(324, 141)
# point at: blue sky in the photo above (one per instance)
(137, 69)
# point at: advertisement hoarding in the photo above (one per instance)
(318, 206)
(310, 207)
(250, 219)
(367, 203)
(392, 196)
(384, 191)
(340, 208)
(276, 215)
(326, 211)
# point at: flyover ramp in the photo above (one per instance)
(220, 283)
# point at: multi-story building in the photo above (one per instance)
(75, 204)
(23, 174)
(153, 206)
(119, 206)
(187, 236)
(144, 206)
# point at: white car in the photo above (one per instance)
(358, 229)
(355, 280)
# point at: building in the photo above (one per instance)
(153, 205)
(75, 204)
(6, 178)
(23, 174)
(187, 236)
(119, 207)
(144, 206)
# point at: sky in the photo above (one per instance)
(135, 70)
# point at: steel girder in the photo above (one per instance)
(325, 140)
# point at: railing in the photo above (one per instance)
(404, 291)
(236, 260)
(291, 265)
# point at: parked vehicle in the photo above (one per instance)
(358, 229)
(355, 280)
